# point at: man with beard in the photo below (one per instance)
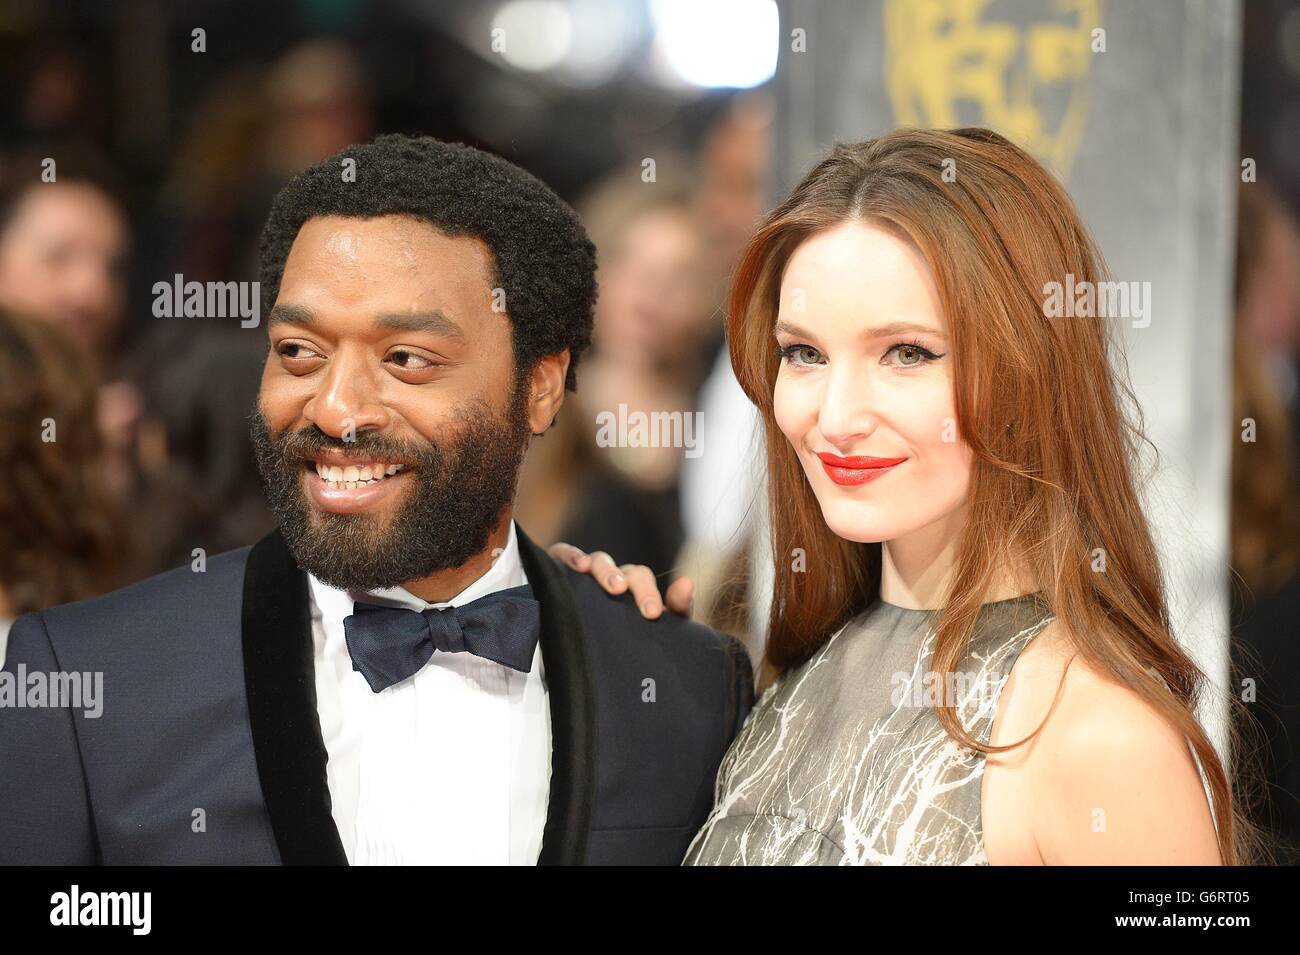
(397, 674)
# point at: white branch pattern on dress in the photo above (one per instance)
(895, 790)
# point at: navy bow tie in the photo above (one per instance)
(390, 644)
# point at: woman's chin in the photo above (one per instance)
(860, 523)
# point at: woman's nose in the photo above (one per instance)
(848, 411)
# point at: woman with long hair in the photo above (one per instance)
(60, 530)
(969, 656)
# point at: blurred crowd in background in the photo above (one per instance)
(167, 160)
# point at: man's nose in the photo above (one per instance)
(348, 400)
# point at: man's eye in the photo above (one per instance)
(410, 360)
(295, 350)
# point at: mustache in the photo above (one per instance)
(311, 440)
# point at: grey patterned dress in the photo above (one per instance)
(843, 760)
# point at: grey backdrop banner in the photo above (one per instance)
(1144, 136)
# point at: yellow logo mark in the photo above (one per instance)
(956, 63)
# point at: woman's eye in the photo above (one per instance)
(909, 355)
(799, 355)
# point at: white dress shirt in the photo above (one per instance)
(451, 766)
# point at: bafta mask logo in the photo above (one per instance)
(1018, 67)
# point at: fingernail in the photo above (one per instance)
(650, 609)
(617, 579)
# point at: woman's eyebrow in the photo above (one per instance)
(790, 328)
(875, 331)
(900, 328)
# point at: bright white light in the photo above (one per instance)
(731, 43)
(601, 42)
(537, 34)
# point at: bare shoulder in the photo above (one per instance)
(1108, 780)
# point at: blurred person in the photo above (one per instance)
(60, 537)
(722, 491)
(198, 486)
(397, 674)
(63, 253)
(216, 189)
(730, 194)
(649, 341)
(319, 101)
(254, 129)
(64, 246)
(59, 98)
(1265, 507)
(1268, 290)
(653, 314)
(947, 678)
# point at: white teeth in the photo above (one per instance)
(352, 477)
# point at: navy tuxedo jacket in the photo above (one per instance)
(209, 703)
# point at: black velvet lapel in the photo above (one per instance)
(572, 695)
(279, 676)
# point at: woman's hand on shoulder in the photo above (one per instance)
(1115, 783)
(621, 578)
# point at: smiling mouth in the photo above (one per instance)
(858, 470)
(353, 476)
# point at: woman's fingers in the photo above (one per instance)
(637, 579)
(645, 589)
(599, 565)
(606, 572)
(681, 595)
(570, 556)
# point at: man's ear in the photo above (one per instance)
(546, 390)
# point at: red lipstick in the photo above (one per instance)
(857, 470)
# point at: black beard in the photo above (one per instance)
(455, 501)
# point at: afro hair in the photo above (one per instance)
(544, 260)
